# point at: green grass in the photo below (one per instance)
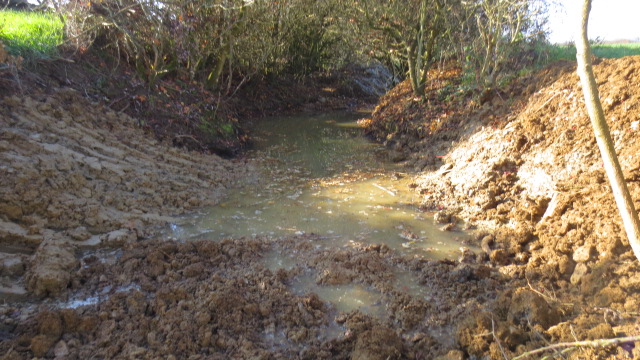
(611, 51)
(30, 34)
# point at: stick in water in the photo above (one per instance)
(386, 190)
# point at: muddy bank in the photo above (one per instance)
(524, 165)
(77, 175)
(191, 116)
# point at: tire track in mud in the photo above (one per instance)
(74, 175)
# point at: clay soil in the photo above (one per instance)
(522, 163)
(83, 187)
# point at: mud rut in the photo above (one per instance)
(554, 268)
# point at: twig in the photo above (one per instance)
(124, 108)
(548, 298)
(540, 293)
(495, 337)
(116, 101)
(386, 190)
(546, 102)
(189, 137)
(590, 343)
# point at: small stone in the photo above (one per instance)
(467, 256)
(580, 270)
(202, 318)
(448, 227)
(442, 217)
(41, 344)
(205, 340)
(61, 350)
(79, 234)
(583, 254)
(50, 324)
(50, 273)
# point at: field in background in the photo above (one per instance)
(34, 35)
(610, 51)
(30, 34)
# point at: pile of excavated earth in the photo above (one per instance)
(526, 165)
(81, 276)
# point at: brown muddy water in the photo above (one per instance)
(318, 175)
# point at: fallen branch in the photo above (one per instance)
(575, 344)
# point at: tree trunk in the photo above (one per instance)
(415, 74)
(603, 137)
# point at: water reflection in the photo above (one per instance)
(345, 297)
(318, 175)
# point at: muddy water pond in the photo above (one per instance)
(318, 174)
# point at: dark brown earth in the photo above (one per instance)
(521, 165)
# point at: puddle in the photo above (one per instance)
(345, 298)
(104, 256)
(79, 301)
(274, 260)
(319, 175)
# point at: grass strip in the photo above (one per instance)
(609, 51)
(30, 34)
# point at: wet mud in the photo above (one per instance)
(554, 264)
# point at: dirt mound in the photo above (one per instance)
(75, 175)
(527, 167)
